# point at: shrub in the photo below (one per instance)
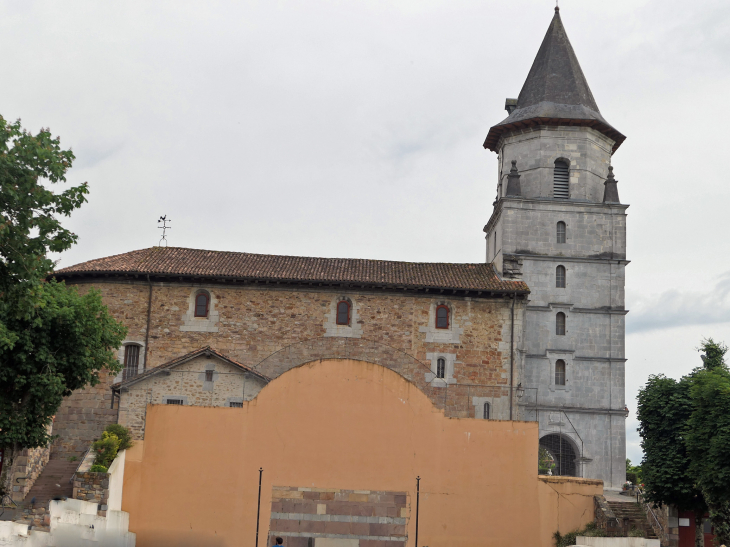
(106, 449)
(590, 530)
(96, 468)
(636, 533)
(122, 433)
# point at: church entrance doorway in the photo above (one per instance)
(562, 452)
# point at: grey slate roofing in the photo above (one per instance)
(555, 93)
(206, 351)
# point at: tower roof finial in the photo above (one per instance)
(557, 7)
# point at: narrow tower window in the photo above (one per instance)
(561, 232)
(559, 372)
(560, 277)
(343, 312)
(441, 368)
(201, 304)
(560, 324)
(561, 177)
(442, 317)
(131, 361)
(486, 411)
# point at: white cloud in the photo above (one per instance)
(681, 307)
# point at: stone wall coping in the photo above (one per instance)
(87, 462)
(563, 479)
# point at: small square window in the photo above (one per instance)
(208, 375)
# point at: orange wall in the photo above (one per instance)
(342, 424)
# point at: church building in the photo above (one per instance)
(535, 333)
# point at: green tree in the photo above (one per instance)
(707, 435)
(52, 340)
(633, 473)
(664, 408)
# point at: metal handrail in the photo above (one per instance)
(71, 480)
(648, 509)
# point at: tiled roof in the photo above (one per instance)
(182, 262)
(207, 350)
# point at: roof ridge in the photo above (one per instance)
(246, 253)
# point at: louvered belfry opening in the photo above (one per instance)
(561, 185)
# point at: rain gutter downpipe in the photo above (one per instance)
(147, 331)
(512, 355)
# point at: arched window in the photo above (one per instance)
(561, 232)
(131, 361)
(202, 304)
(560, 277)
(561, 178)
(442, 317)
(560, 324)
(559, 372)
(441, 368)
(343, 312)
(486, 411)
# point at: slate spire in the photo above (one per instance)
(555, 92)
(556, 76)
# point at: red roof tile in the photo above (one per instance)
(182, 262)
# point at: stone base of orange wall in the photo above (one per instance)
(368, 518)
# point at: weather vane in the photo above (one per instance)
(164, 220)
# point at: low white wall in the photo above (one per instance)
(74, 523)
(116, 482)
(582, 541)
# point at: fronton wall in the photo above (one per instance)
(350, 438)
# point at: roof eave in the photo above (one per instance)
(287, 281)
(495, 132)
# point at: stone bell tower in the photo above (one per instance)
(558, 225)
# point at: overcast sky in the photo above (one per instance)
(355, 129)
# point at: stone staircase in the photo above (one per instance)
(631, 515)
(54, 482)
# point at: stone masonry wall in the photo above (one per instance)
(535, 150)
(255, 321)
(365, 518)
(83, 416)
(187, 381)
(26, 468)
(94, 487)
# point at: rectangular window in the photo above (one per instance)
(208, 375)
(174, 401)
(233, 404)
(131, 361)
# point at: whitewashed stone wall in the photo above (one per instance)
(187, 381)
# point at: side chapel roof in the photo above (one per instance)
(555, 93)
(182, 263)
(206, 351)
